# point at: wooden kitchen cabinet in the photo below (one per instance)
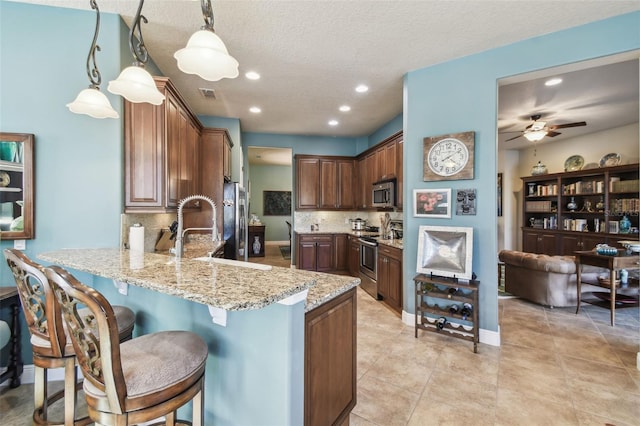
(342, 252)
(330, 361)
(390, 276)
(324, 183)
(316, 252)
(400, 172)
(161, 148)
(354, 256)
(214, 143)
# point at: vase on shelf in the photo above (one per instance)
(625, 225)
(256, 245)
(572, 204)
(600, 204)
(539, 169)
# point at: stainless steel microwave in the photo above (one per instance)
(384, 193)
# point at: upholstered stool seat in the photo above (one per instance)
(50, 342)
(136, 381)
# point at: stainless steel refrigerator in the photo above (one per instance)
(235, 221)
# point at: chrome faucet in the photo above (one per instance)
(179, 247)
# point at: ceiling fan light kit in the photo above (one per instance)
(135, 83)
(535, 135)
(92, 101)
(205, 54)
(537, 130)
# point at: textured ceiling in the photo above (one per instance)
(311, 54)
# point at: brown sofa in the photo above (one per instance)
(543, 279)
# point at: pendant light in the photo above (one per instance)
(92, 101)
(205, 54)
(135, 83)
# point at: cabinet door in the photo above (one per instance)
(308, 180)
(371, 171)
(383, 276)
(354, 258)
(189, 169)
(328, 184)
(342, 252)
(227, 160)
(363, 182)
(144, 166)
(346, 183)
(307, 255)
(394, 270)
(325, 252)
(175, 124)
(330, 375)
(390, 161)
(530, 242)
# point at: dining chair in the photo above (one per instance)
(50, 342)
(136, 381)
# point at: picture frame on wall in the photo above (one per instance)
(277, 203)
(435, 203)
(466, 202)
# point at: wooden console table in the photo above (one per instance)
(15, 366)
(613, 263)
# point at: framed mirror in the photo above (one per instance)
(16, 186)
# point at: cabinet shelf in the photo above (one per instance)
(428, 313)
(10, 166)
(8, 189)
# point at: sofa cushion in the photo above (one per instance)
(540, 262)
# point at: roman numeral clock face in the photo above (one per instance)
(449, 157)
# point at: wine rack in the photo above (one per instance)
(434, 298)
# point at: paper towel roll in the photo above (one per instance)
(136, 238)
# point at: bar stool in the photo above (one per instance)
(136, 381)
(50, 343)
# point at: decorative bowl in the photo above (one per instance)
(606, 250)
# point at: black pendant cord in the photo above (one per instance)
(139, 51)
(207, 14)
(92, 67)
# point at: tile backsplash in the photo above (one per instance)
(153, 225)
(331, 221)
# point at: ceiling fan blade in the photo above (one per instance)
(564, 126)
(516, 137)
(552, 133)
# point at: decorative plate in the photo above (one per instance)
(573, 163)
(609, 160)
(5, 180)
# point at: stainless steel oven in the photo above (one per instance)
(369, 265)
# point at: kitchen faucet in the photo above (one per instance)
(179, 247)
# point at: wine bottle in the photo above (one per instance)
(467, 310)
(441, 322)
(454, 309)
(453, 290)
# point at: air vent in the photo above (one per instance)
(208, 93)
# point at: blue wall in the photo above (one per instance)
(270, 178)
(461, 95)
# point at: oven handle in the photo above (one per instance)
(368, 243)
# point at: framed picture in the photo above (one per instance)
(500, 194)
(277, 203)
(466, 202)
(432, 203)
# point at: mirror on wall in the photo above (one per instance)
(16, 186)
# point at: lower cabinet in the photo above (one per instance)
(572, 243)
(330, 361)
(540, 242)
(354, 256)
(390, 276)
(322, 252)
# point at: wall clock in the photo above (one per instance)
(449, 157)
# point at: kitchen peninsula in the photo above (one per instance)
(269, 349)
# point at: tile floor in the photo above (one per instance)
(553, 368)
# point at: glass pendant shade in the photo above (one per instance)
(136, 85)
(94, 103)
(535, 135)
(207, 56)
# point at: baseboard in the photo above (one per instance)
(277, 243)
(487, 337)
(28, 375)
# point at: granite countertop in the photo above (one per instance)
(229, 287)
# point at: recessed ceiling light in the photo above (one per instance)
(252, 75)
(553, 81)
(362, 88)
(333, 122)
(255, 109)
(345, 108)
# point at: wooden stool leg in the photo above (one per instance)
(198, 408)
(70, 378)
(170, 419)
(40, 392)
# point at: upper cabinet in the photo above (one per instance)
(325, 183)
(161, 152)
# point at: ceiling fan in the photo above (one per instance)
(539, 129)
